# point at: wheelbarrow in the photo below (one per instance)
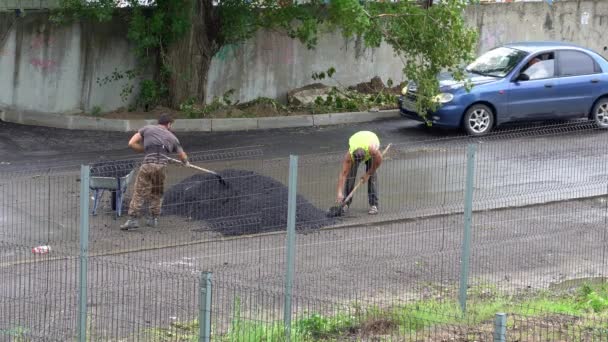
(116, 185)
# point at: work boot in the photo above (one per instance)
(152, 222)
(373, 210)
(130, 224)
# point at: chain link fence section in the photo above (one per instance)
(538, 218)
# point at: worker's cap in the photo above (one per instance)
(165, 119)
(359, 154)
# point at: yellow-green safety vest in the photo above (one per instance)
(363, 139)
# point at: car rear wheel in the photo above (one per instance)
(600, 113)
(478, 120)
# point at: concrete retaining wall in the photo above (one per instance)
(581, 22)
(49, 69)
(271, 64)
(55, 69)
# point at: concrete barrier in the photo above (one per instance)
(191, 125)
(239, 124)
(286, 122)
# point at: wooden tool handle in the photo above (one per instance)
(191, 166)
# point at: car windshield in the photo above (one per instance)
(497, 62)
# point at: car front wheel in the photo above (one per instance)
(478, 120)
(600, 113)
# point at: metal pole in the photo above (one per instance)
(500, 327)
(291, 242)
(466, 240)
(204, 308)
(84, 252)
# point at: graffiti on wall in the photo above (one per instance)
(38, 43)
(43, 64)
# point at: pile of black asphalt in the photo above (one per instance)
(250, 203)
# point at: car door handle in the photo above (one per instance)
(595, 81)
(548, 85)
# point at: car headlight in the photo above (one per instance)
(443, 98)
(404, 91)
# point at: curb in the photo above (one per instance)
(74, 122)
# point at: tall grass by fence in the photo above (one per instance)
(530, 241)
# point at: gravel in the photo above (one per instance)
(251, 203)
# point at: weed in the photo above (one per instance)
(96, 111)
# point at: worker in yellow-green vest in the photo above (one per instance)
(363, 146)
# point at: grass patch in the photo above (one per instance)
(577, 312)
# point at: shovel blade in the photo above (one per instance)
(222, 180)
(336, 211)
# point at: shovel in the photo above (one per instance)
(219, 178)
(338, 210)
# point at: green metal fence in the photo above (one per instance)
(476, 239)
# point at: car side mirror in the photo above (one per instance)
(523, 77)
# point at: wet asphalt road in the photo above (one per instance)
(40, 147)
(43, 146)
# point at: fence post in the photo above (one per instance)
(204, 308)
(291, 242)
(84, 252)
(466, 240)
(500, 327)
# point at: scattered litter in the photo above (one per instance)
(41, 249)
(252, 204)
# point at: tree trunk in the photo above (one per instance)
(189, 59)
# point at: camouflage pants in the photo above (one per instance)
(149, 186)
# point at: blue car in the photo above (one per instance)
(528, 81)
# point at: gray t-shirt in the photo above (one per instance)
(158, 140)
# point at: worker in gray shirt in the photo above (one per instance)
(155, 141)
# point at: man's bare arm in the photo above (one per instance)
(346, 165)
(136, 143)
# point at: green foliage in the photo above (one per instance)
(227, 97)
(195, 111)
(96, 111)
(594, 298)
(150, 94)
(127, 75)
(341, 99)
(427, 41)
(71, 10)
(540, 309)
(318, 327)
(152, 28)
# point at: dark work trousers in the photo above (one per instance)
(351, 180)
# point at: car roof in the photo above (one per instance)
(532, 47)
